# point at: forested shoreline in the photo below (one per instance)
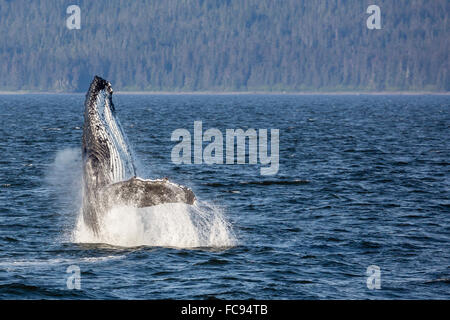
(228, 45)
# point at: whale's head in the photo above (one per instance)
(106, 155)
(99, 98)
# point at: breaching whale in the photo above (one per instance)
(109, 172)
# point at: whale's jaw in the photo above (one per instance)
(104, 142)
(109, 173)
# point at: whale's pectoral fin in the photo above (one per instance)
(145, 193)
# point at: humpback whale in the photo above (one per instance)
(109, 172)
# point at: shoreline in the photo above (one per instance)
(305, 93)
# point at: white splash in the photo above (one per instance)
(64, 176)
(65, 169)
(167, 225)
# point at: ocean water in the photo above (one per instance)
(363, 181)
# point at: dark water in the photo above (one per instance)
(363, 180)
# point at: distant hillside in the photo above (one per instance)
(226, 45)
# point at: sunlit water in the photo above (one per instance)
(363, 180)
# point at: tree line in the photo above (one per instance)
(226, 45)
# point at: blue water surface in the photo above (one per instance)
(363, 180)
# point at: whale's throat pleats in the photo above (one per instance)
(120, 165)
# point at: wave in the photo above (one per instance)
(272, 182)
(263, 182)
(33, 263)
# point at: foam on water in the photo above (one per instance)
(22, 263)
(169, 225)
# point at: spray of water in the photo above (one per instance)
(169, 225)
